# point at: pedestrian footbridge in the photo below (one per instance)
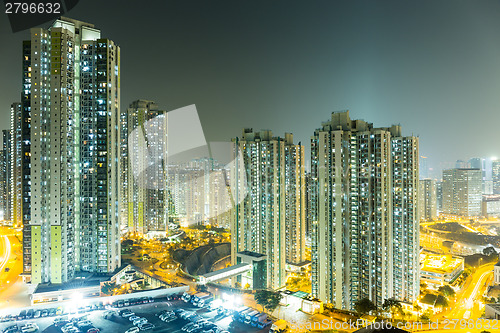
(225, 273)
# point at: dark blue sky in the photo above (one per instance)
(432, 66)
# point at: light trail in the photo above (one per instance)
(7, 253)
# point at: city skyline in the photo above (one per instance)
(380, 72)
(330, 160)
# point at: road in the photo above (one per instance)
(11, 285)
(469, 298)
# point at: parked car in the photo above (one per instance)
(134, 329)
(146, 326)
(11, 328)
(139, 322)
(62, 323)
(29, 328)
(84, 323)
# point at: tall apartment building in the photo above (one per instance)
(496, 176)
(16, 167)
(6, 176)
(69, 130)
(428, 199)
(439, 196)
(365, 212)
(485, 166)
(462, 192)
(270, 220)
(147, 168)
(4, 194)
(308, 208)
(199, 193)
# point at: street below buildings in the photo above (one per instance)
(11, 266)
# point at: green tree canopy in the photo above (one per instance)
(201, 288)
(364, 306)
(268, 299)
(393, 306)
(447, 291)
(108, 288)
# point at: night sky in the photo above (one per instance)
(431, 66)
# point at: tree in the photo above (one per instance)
(490, 250)
(447, 291)
(417, 308)
(268, 299)
(127, 243)
(201, 288)
(392, 305)
(425, 317)
(442, 302)
(364, 306)
(108, 288)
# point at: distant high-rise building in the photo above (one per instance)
(198, 192)
(495, 174)
(4, 194)
(147, 187)
(365, 213)
(462, 193)
(439, 196)
(427, 199)
(308, 208)
(459, 164)
(70, 150)
(6, 175)
(482, 164)
(270, 220)
(424, 167)
(16, 158)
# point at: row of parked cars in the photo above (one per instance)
(131, 301)
(140, 323)
(51, 312)
(196, 323)
(75, 325)
(26, 328)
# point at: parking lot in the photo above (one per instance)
(115, 322)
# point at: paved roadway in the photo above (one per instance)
(11, 286)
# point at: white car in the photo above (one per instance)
(67, 328)
(133, 330)
(169, 319)
(29, 328)
(84, 323)
(140, 321)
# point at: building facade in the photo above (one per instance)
(16, 158)
(147, 168)
(69, 131)
(490, 206)
(462, 192)
(365, 213)
(428, 199)
(6, 176)
(270, 220)
(495, 173)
